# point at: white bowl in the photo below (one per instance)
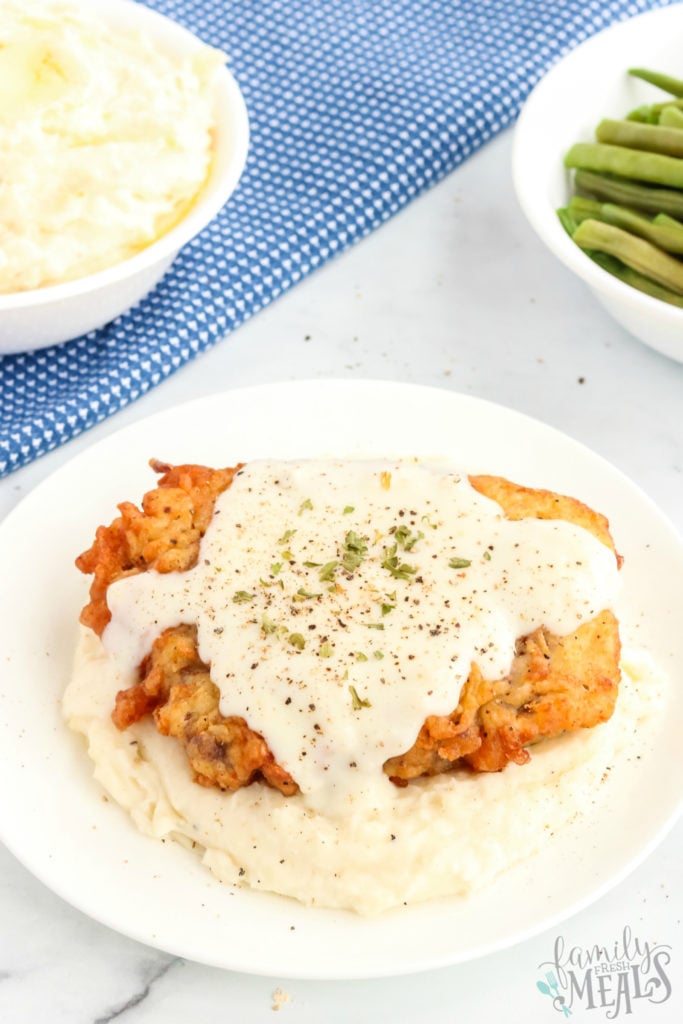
(46, 316)
(565, 107)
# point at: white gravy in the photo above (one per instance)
(336, 611)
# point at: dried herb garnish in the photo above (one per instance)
(399, 570)
(459, 563)
(326, 574)
(358, 702)
(355, 549)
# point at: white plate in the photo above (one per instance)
(87, 850)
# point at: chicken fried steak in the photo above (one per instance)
(556, 684)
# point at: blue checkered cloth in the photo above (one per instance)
(356, 107)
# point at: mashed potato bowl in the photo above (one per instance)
(56, 313)
(564, 108)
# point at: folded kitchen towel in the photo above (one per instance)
(356, 107)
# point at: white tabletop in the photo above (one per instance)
(454, 292)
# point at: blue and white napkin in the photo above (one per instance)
(356, 107)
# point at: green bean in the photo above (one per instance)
(672, 117)
(567, 220)
(582, 208)
(634, 279)
(662, 235)
(664, 219)
(628, 193)
(636, 253)
(665, 82)
(628, 163)
(650, 137)
(651, 113)
(642, 115)
(578, 210)
(668, 237)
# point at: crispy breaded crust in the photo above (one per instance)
(518, 502)
(176, 687)
(164, 535)
(555, 685)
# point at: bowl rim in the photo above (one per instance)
(541, 216)
(214, 193)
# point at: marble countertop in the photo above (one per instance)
(454, 292)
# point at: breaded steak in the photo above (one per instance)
(554, 685)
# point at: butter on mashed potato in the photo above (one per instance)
(105, 141)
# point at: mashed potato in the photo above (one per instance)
(444, 836)
(380, 643)
(105, 141)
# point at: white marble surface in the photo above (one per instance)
(455, 292)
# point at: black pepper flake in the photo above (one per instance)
(288, 701)
(242, 872)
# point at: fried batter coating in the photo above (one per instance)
(164, 535)
(555, 685)
(175, 687)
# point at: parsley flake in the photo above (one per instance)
(271, 583)
(326, 574)
(459, 563)
(307, 504)
(355, 550)
(296, 640)
(405, 537)
(304, 595)
(357, 701)
(242, 597)
(267, 625)
(399, 570)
